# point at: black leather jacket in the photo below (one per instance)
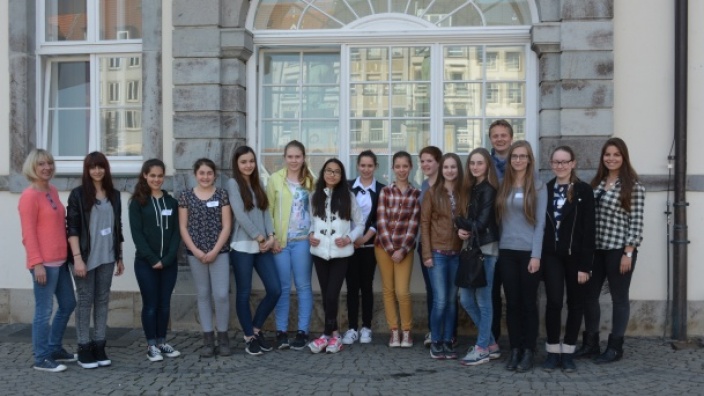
(481, 213)
(371, 219)
(78, 221)
(577, 228)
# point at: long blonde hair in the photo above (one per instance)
(529, 193)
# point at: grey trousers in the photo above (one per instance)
(212, 280)
(93, 294)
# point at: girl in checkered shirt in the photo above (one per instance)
(619, 231)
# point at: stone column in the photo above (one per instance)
(574, 43)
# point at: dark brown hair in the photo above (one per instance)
(141, 189)
(438, 191)
(253, 182)
(92, 160)
(626, 174)
(573, 173)
(470, 181)
(207, 162)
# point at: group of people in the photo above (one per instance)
(568, 233)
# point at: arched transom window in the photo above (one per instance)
(343, 76)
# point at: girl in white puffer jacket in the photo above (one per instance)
(336, 223)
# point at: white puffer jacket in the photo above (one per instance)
(333, 227)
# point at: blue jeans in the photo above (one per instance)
(444, 314)
(45, 338)
(428, 284)
(243, 265)
(156, 287)
(295, 259)
(478, 304)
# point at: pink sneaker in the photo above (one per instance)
(334, 345)
(319, 344)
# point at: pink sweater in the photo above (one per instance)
(43, 227)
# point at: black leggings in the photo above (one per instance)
(560, 271)
(360, 277)
(331, 274)
(521, 289)
(607, 264)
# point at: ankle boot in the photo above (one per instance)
(224, 344)
(512, 362)
(590, 346)
(568, 365)
(526, 362)
(208, 349)
(99, 353)
(86, 359)
(552, 361)
(613, 352)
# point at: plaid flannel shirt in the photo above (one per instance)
(397, 218)
(615, 227)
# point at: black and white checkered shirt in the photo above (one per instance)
(615, 227)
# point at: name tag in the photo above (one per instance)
(518, 195)
(213, 204)
(166, 212)
(106, 231)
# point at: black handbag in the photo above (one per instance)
(470, 272)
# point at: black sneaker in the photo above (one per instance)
(50, 366)
(263, 344)
(300, 341)
(99, 352)
(437, 351)
(252, 346)
(86, 359)
(62, 356)
(282, 340)
(449, 349)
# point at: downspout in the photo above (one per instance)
(680, 241)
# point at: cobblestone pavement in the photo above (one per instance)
(650, 366)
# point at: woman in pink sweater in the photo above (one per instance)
(44, 238)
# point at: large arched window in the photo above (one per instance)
(343, 76)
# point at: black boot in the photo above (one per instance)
(526, 362)
(590, 346)
(224, 344)
(568, 365)
(208, 349)
(99, 352)
(512, 362)
(613, 352)
(552, 361)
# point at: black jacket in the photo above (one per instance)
(371, 219)
(78, 221)
(481, 213)
(577, 229)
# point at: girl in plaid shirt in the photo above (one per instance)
(398, 215)
(619, 231)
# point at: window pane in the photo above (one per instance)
(463, 99)
(321, 69)
(369, 64)
(410, 64)
(120, 84)
(121, 132)
(410, 100)
(65, 20)
(120, 20)
(321, 102)
(321, 136)
(282, 69)
(409, 135)
(69, 132)
(369, 100)
(281, 102)
(507, 63)
(505, 99)
(463, 63)
(462, 136)
(276, 134)
(70, 84)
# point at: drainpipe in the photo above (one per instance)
(680, 241)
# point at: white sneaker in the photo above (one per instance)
(428, 340)
(350, 337)
(407, 340)
(394, 339)
(365, 335)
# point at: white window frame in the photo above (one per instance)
(90, 49)
(371, 32)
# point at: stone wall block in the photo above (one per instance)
(549, 10)
(233, 72)
(152, 131)
(588, 35)
(587, 122)
(550, 67)
(196, 71)
(550, 95)
(151, 25)
(233, 13)
(236, 43)
(196, 42)
(201, 124)
(187, 151)
(549, 123)
(587, 94)
(195, 13)
(587, 65)
(234, 98)
(587, 9)
(234, 125)
(22, 26)
(22, 105)
(546, 33)
(197, 98)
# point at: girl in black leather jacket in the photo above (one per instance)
(481, 183)
(95, 236)
(568, 251)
